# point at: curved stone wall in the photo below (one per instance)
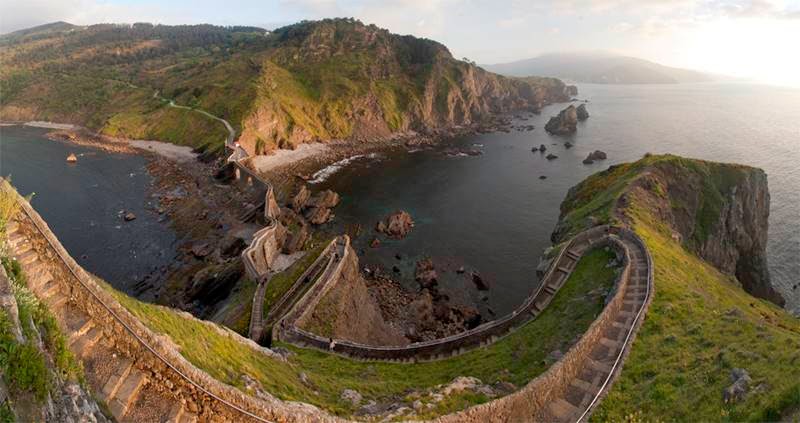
(481, 335)
(151, 353)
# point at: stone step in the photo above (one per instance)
(49, 290)
(631, 302)
(39, 277)
(610, 343)
(573, 255)
(56, 302)
(12, 227)
(126, 394)
(27, 258)
(619, 325)
(627, 314)
(84, 344)
(114, 382)
(549, 289)
(84, 326)
(585, 386)
(22, 248)
(599, 366)
(562, 410)
(563, 269)
(16, 239)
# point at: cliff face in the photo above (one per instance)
(348, 311)
(343, 79)
(718, 211)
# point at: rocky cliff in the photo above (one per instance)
(321, 80)
(718, 211)
(348, 311)
(340, 78)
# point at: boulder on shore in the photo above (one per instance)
(565, 123)
(583, 114)
(397, 225)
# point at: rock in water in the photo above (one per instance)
(425, 273)
(397, 225)
(479, 282)
(551, 156)
(565, 123)
(583, 114)
(72, 158)
(594, 156)
(129, 216)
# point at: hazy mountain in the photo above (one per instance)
(599, 68)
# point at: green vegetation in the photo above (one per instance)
(311, 80)
(281, 282)
(701, 323)
(516, 358)
(24, 366)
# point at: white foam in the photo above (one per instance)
(324, 173)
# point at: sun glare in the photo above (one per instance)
(758, 49)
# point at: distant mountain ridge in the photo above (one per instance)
(599, 68)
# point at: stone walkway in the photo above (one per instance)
(597, 370)
(128, 392)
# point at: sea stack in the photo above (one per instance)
(565, 123)
(72, 158)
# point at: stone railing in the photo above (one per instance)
(288, 329)
(152, 352)
(531, 402)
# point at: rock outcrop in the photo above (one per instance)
(565, 123)
(720, 211)
(594, 156)
(583, 114)
(397, 225)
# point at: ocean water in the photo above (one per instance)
(493, 214)
(82, 203)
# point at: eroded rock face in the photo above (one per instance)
(397, 225)
(565, 123)
(300, 199)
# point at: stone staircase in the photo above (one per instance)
(595, 371)
(128, 392)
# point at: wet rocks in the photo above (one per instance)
(565, 123)
(551, 156)
(425, 273)
(129, 216)
(594, 156)
(582, 113)
(375, 243)
(213, 283)
(300, 199)
(397, 225)
(72, 158)
(481, 284)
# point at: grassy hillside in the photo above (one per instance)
(309, 81)
(701, 324)
(516, 358)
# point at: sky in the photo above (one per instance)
(754, 39)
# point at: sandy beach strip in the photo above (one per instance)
(179, 153)
(279, 158)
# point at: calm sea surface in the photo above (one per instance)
(493, 214)
(82, 203)
(489, 213)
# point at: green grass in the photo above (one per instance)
(281, 282)
(701, 323)
(24, 365)
(516, 358)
